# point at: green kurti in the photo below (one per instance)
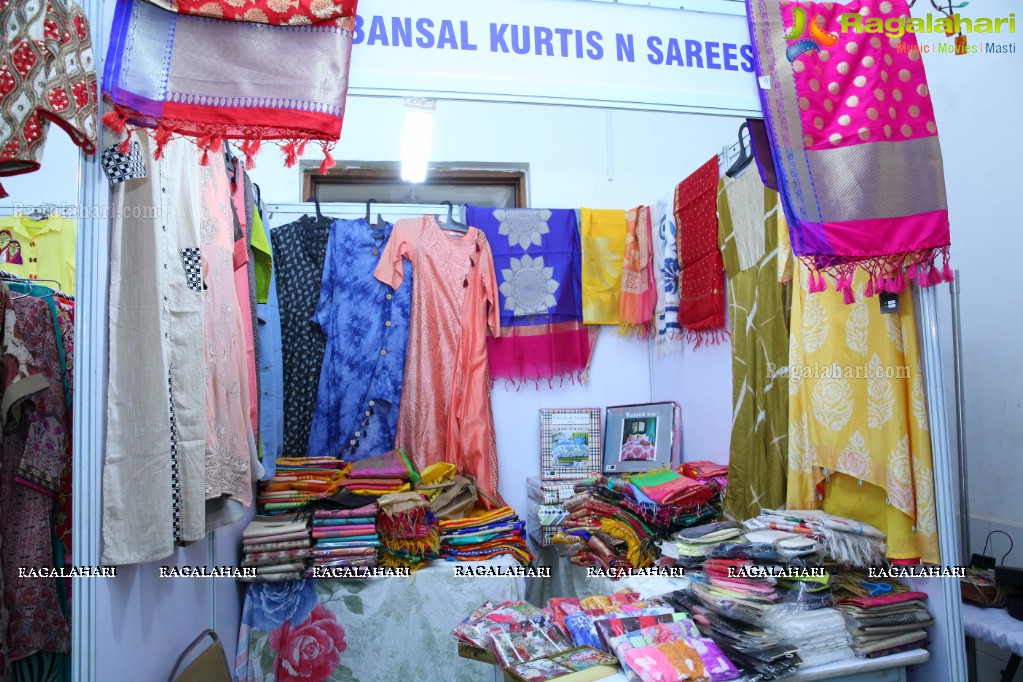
(752, 234)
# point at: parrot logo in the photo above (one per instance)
(809, 35)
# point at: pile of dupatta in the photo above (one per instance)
(854, 144)
(485, 535)
(537, 258)
(231, 78)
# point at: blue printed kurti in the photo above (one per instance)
(366, 323)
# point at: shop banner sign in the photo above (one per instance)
(555, 51)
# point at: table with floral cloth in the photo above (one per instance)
(366, 630)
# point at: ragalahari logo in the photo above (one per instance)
(808, 34)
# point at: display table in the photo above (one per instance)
(996, 626)
(366, 630)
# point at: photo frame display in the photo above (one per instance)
(641, 437)
(570, 443)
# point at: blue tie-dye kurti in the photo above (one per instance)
(366, 323)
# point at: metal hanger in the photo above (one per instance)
(452, 225)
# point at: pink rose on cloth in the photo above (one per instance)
(310, 651)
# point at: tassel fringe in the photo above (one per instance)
(887, 274)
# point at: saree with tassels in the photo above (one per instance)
(638, 294)
(847, 362)
(218, 80)
(603, 246)
(274, 12)
(854, 143)
(701, 310)
(537, 261)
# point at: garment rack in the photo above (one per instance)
(281, 214)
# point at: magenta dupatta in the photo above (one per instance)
(854, 143)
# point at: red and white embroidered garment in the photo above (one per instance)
(46, 75)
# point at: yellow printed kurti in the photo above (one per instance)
(750, 221)
(859, 441)
(603, 242)
(39, 249)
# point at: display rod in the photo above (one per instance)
(943, 487)
(964, 481)
(92, 254)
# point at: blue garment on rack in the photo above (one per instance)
(271, 381)
(366, 324)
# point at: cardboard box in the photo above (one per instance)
(476, 653)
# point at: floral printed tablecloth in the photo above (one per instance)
(368, 630)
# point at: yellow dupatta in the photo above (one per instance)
(603, 242)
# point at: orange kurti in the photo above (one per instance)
(445, 408)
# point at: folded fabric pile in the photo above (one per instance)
(616, 523)
(345, 537)
(606, 529)
(888, 623)
(710, 474)
(485, 535)
(691, 544)
(407, 530)
(278, 547)
(543, 521)
(846, 541)
(673, 501)
(820, 635)
(390, 472)
(298, 481)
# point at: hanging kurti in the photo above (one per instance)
(445, 411)
(33, 455)
(230, 444)
(749, 223)
(153, 493)
(366, 323)
(859, 445)
(299, 250)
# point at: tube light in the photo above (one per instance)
(417, 139)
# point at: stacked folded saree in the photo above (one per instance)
(887, 624)
(485, 535)
(407, 530)
(390, 472)
(345, 537)
(847, 541)
(278, 547)
(299, 481)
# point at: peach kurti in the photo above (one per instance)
(445, 408)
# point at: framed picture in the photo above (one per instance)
(641, 437)
(569, 443)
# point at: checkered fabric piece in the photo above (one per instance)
(120, 167)
(192, 262)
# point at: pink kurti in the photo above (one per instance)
(229, 436)
(445, 408)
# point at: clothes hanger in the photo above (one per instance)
(369, 217)
(8, 277)
(452, 225)
(745, 154)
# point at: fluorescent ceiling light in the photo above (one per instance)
(417, 138)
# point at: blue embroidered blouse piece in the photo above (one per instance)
(366, 324)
